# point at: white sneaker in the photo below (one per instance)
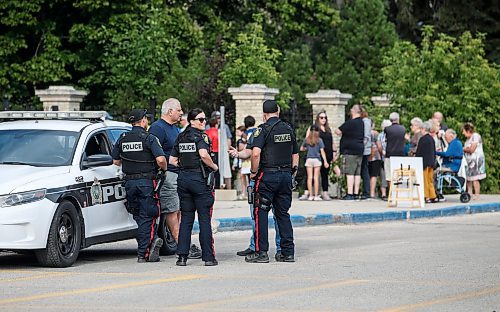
(317, 198)
(311, 197)
(303, 197)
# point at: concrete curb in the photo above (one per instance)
(245, 223)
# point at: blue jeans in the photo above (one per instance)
(252, 239)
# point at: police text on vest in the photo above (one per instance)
(187, 147)
(132, 147)
(280, 138)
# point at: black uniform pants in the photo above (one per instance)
(273, 188)
(140, 195)
(195, 196)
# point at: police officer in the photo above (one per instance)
(140, 154)
(195, 188)
(274, 160)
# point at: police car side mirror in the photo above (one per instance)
(97, 160)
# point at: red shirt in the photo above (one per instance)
(213, 135)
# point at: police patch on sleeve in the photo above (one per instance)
(257, 132)
(205, 138)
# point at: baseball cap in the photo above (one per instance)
(215, 114)
(270, 106)
(136, 115)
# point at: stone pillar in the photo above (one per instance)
(249, 99)
(381, 101)
(62, 98)
(333, 102)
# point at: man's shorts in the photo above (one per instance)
(353, 164)
(169, 198)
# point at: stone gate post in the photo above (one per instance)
(62, 98)
(249, 99)
(333, 102)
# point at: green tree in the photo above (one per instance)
(297, 75)
(354, 59)
(32, 53)
(249, 59)
(136, 47)
(452, 76)
(452, 18)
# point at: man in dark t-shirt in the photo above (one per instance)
(352, 146)
(395, 139)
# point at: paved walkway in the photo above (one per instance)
(235, 215)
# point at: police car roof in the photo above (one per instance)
(68, 125)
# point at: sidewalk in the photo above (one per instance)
(235, 215)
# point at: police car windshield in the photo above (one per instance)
(44, 148)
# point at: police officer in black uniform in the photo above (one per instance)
(274, 160)
(140, 155)
(195, 186)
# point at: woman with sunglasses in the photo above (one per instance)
(325, 133)
(191, 155)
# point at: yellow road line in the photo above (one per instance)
(34, 277)
(459, 297)
(100, 289)
(204, 305)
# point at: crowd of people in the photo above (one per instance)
(366, 154)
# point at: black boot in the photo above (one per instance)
(283, 258)
(257, 257)
(245, 252)
(182, 260)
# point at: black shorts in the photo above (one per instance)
(374, 168)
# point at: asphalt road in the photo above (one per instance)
(444, 264)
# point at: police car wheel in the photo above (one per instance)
(169, 246)
(64, 240)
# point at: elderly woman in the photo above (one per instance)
(415, 126)
(476, 165)
(427, 150)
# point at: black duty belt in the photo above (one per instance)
(276, 169)
(191, 169)
(136, 176)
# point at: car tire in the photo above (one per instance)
(64, 239)
(169, 244)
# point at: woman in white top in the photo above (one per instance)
(476, 164)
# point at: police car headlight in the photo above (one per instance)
(22, 198)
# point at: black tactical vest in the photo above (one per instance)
(189, 158)
(278, 146)
(136, 155)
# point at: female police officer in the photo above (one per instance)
(191, 154)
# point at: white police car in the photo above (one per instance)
(59, 191)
